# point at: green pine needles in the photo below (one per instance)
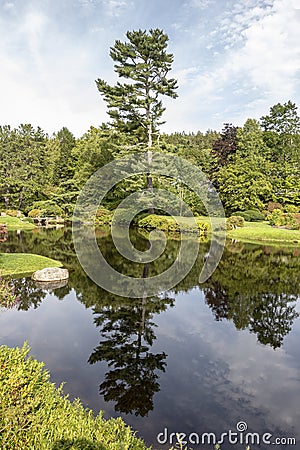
(136, 106)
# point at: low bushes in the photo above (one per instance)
(273, 205)
(34, 213)
(234, 222)
(34, 414)
(13, 213)
(103, 216)
(47, 208)
(251, 215)
(169, 224)
(290, 220)
(3, 232)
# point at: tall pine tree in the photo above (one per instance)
(136, 107)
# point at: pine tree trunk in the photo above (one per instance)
(149, 156)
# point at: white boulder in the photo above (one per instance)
(51, 274)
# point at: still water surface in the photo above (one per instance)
(198, 359)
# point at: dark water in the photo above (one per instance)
(198, 359)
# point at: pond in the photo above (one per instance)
(198, 359)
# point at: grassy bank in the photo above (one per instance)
(24, 263)
(14, 223)
(264, 232)
(34, 414)
(256, 232)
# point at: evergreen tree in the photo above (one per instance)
(64, 167)
(250, 140)
(136, 107)
(282, 132)
(23, 165)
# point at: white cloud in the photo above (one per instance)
(259, 66)
(233, 59)
(201, 4)
(8, 6)
(185, 76)
(251, 366)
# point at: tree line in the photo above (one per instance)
(250, 166)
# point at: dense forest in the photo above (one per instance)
(253, 167)
(250, 165)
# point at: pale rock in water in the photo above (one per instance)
(51, 274)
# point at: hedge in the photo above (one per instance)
(34, 414)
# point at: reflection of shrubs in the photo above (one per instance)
(8, 299)
(288, 220)
(251, 215)
(234, 222)
(3, 232)
(103, 216)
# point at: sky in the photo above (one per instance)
(233, 59)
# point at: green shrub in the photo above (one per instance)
(48, 208)
(203, 227)
(34, 213)
(276, 218)
(251, 215)
(68, 209)
(280, 219)
(234, 222)
(12, 212)
(291, 209)
(169, 224)
(28, 219)
(34, 414)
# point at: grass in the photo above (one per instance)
(252, 232)
(14, 223)
(264, 232)
(34, 414)
(24, 263)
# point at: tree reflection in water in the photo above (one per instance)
(254, 286)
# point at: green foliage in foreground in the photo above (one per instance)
(14, 223)
(174, 224)
(34, 414)
(21, 263)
